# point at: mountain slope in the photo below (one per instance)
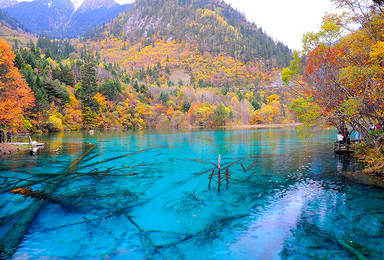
(96, 4)
(207, 38)
(7, 3)
(87, 17)
(212, 24)
(43, 15)
(12, 22)
(12, 30)
(59, 18)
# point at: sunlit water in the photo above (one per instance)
(145, 196)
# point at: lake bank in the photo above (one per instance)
(290, 125)
(8, 149)
(365, 178)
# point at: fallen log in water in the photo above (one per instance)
(315, 230)
(11, 240)
(120, 157)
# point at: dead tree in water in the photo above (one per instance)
(219, 176)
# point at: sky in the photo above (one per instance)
(285, 20)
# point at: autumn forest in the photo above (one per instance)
(200, 64)
(183, 64)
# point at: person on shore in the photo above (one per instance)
(358, 136)
(372, 128)
(2, 136)
(346, 136)
(340, 138)
(9, 136)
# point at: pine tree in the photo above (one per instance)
(88, 87)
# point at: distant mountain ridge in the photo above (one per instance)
(7, 3)
(96, 4)
(13, 31)
(12, 22)
(60, 18)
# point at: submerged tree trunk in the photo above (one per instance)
(13, 238)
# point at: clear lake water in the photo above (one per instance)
(145, 195)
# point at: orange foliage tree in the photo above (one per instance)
(16, 98)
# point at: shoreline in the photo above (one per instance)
(290, 125)
(7, 150)
(365, 178)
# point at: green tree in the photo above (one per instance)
(307, 112)
(164, 97)
(186, 106)
(88, 88)
(19, 61)
(89, 118)
(111, 89)
(220, 115)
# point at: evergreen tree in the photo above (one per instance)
(88, 87)
(19, 61)
(111, 89)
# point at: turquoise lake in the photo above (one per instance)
(144, 195)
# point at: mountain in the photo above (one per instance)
(92, 13)
(77, 3)
(12, 30)
(96, 4)
(12, 22)
(207, 39)
(7, 3)
(212, 24)
(43, 15)
(59, 18)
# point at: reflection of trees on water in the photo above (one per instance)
(346, 163)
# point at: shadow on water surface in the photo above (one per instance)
(145, 195)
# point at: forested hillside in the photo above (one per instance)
(162, 64)
(212, 25)
(42, 15)
(12, 30)
(208, 39)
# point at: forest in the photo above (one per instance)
(75, 94)
(167, 76)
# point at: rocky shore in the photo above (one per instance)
(9, 149)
